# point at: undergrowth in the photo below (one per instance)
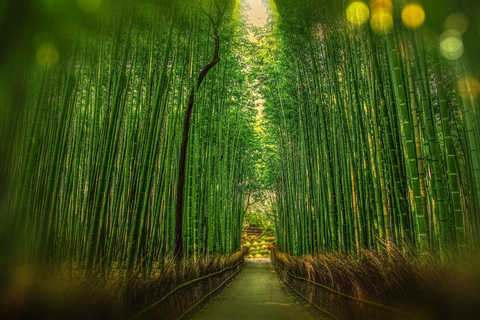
(423, 286)
(28, 294)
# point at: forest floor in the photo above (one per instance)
(256, 294)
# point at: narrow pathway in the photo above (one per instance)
(255, 294)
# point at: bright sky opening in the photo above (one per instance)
(257, 14)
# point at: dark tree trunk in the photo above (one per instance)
(178, 251)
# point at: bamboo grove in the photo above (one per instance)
(137, 135)
(95, 159)
(373, 134)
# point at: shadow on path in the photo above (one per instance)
(255, 294)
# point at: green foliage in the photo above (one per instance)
(358, 125)
(342, 136)
(94, 160)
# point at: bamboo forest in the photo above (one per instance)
(239, 159)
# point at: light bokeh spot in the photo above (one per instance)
(381, 5)
(413, 15)
(469, 87)
(358, 13)
(89, 5)
(47, 55)
(451, 45)
(381, 22)
(458, 22)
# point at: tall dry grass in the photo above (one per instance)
(27, 294)
(423, 286)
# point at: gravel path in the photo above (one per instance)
(255, 294)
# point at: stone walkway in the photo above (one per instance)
(255, 294)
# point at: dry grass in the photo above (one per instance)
(24, 294)
(421, 285)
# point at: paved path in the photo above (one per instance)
(255, 294)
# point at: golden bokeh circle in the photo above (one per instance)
(413, 15)
(381, 5)
(382, 22)
(357, 13)
(469, 87)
